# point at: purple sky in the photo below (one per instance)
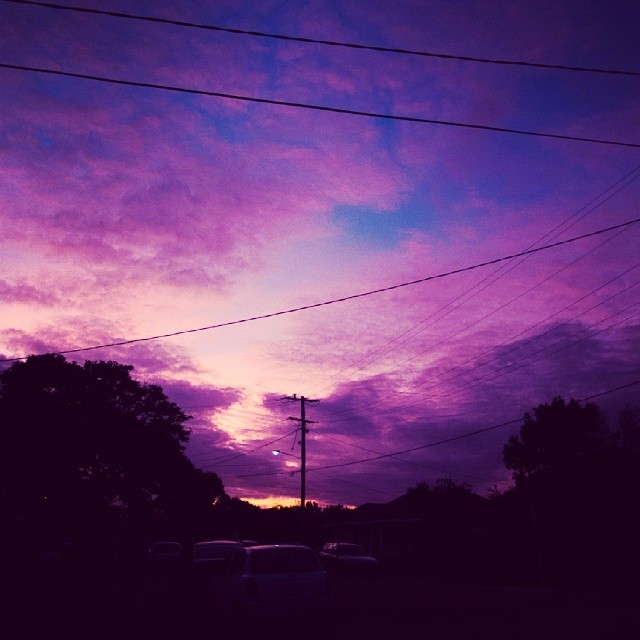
(128, 212)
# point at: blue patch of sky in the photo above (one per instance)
(385, 228)
(389, 135)
(507, 169)
(564, 97)
(74, 90)
(231, 128)
(237, 127)
(44, 140)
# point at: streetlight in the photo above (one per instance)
(277, 452)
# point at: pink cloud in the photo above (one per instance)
(24, 293)
(127, 212)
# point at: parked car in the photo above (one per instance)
(212, 557)
(346, 557)
(272, 581)
(249, 543)
(165, 553)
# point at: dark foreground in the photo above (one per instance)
(72, 602)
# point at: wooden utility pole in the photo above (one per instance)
(303, 444)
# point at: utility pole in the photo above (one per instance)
(303, 458)
(303, 442)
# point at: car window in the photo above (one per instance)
(265, 561)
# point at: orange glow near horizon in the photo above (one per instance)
(272, 502)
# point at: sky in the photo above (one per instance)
(130, 212)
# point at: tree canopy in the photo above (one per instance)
(85, 444)
(577, 484)
(555, 435)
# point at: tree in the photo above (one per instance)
(628, 434)
(555, 436)
(580, 484)
(84, 445)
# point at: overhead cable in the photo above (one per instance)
(482, 285)
(331, 43)
(504, 370)
(461, 436)
(316, 107)
(344, 299)
(245, 453)
(428, 445)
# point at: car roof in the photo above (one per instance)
(234, 543)
(278, 546)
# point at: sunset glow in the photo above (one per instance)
(132, 212)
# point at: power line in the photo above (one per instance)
(525, 359)
(238, 413)
(357, 485)
(316, 107)
(436, 319)
(461, 436)
(505, 370)
(549, 331)
(245, 453)
(525, 362)
(331, 43)
(511, 300)
(540, 335)
(414, 462)
(604, 393)
(344, 299)
(421, 326)
(419, 447)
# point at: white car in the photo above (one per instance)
(267, 581)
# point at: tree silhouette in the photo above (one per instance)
(84, 446)
(555, 436)
(628, 434)
(580, 482)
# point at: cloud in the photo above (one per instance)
(24, 293)
(128, 212)
(194, 398)
(150, 359)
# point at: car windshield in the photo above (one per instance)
(213, 551)
(264, 561)
(352, 550)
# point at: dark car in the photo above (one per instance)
(166, 557)
(161, 553)
(272, 582)
(346, 557)
(212, 557)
